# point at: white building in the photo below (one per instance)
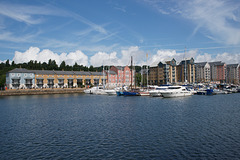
(202, 72)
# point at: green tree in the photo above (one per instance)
(7, 63)
(62, 65)
(91, 69)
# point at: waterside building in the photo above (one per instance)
(202, 72)
(21, 78)
(162, 72)
(233, 71)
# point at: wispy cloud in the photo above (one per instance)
(10, 37)
(24, 13)
(29, 14)
(217, 19)
(99, 38)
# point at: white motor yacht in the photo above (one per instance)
(95, 90)
(90, 90)
(110, 91)
(176, 91)
(157, 91)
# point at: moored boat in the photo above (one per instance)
(157, 91)
(131, 93)
(144, 93)
(176, 91)
(110, 91)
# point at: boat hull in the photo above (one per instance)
(119, 93)
(180, 94)
(144, 93)
(130, 93)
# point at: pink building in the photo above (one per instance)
(119, 76)
(218, 71)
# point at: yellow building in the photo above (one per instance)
(163, 73)
(67, 79)
(186, 71)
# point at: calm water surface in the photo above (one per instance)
(78, 126)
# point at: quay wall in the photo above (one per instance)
(15, 92)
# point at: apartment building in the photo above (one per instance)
(186, 71)
(232, 73)
(118, 76)
(217, 72)
(202, 72)
(162, 72)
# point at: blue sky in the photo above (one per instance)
(96, 32)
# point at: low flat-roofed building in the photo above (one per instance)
(22, 78)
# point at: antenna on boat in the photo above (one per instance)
(185, 67)
(147, 70)
(131, 72)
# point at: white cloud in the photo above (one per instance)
(224, 57)
(33, 53)
(228, 58)
(139, 56)
(203, 58)
(102, 58)
(163, 55)
(124, 57)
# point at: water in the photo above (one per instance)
(78, 126)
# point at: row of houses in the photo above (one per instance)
(172, 72)
(166, 72)
(21, 78)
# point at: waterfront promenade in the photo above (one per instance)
(15, 92)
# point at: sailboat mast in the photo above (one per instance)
(103, 78)
(185, 67)
(131, 72)
(147, 71)
(142, 76)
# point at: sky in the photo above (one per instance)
(109, 32)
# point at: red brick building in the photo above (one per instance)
(118, 76)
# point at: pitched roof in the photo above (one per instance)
(44, 72)
(154, 64)
(233, 65)
(112, 72)
(202, 64)
(216, 63)
(20, 70)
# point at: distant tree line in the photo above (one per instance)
(51, 65)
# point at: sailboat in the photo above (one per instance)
(131, 92)
(145, 92)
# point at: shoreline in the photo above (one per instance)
(41, 91)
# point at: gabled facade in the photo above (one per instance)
(20, 78)
(119, 76)
(232, 73)
(202, 72)
(172, 71)
(163, 73)
(186, 71)
(218, 71)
